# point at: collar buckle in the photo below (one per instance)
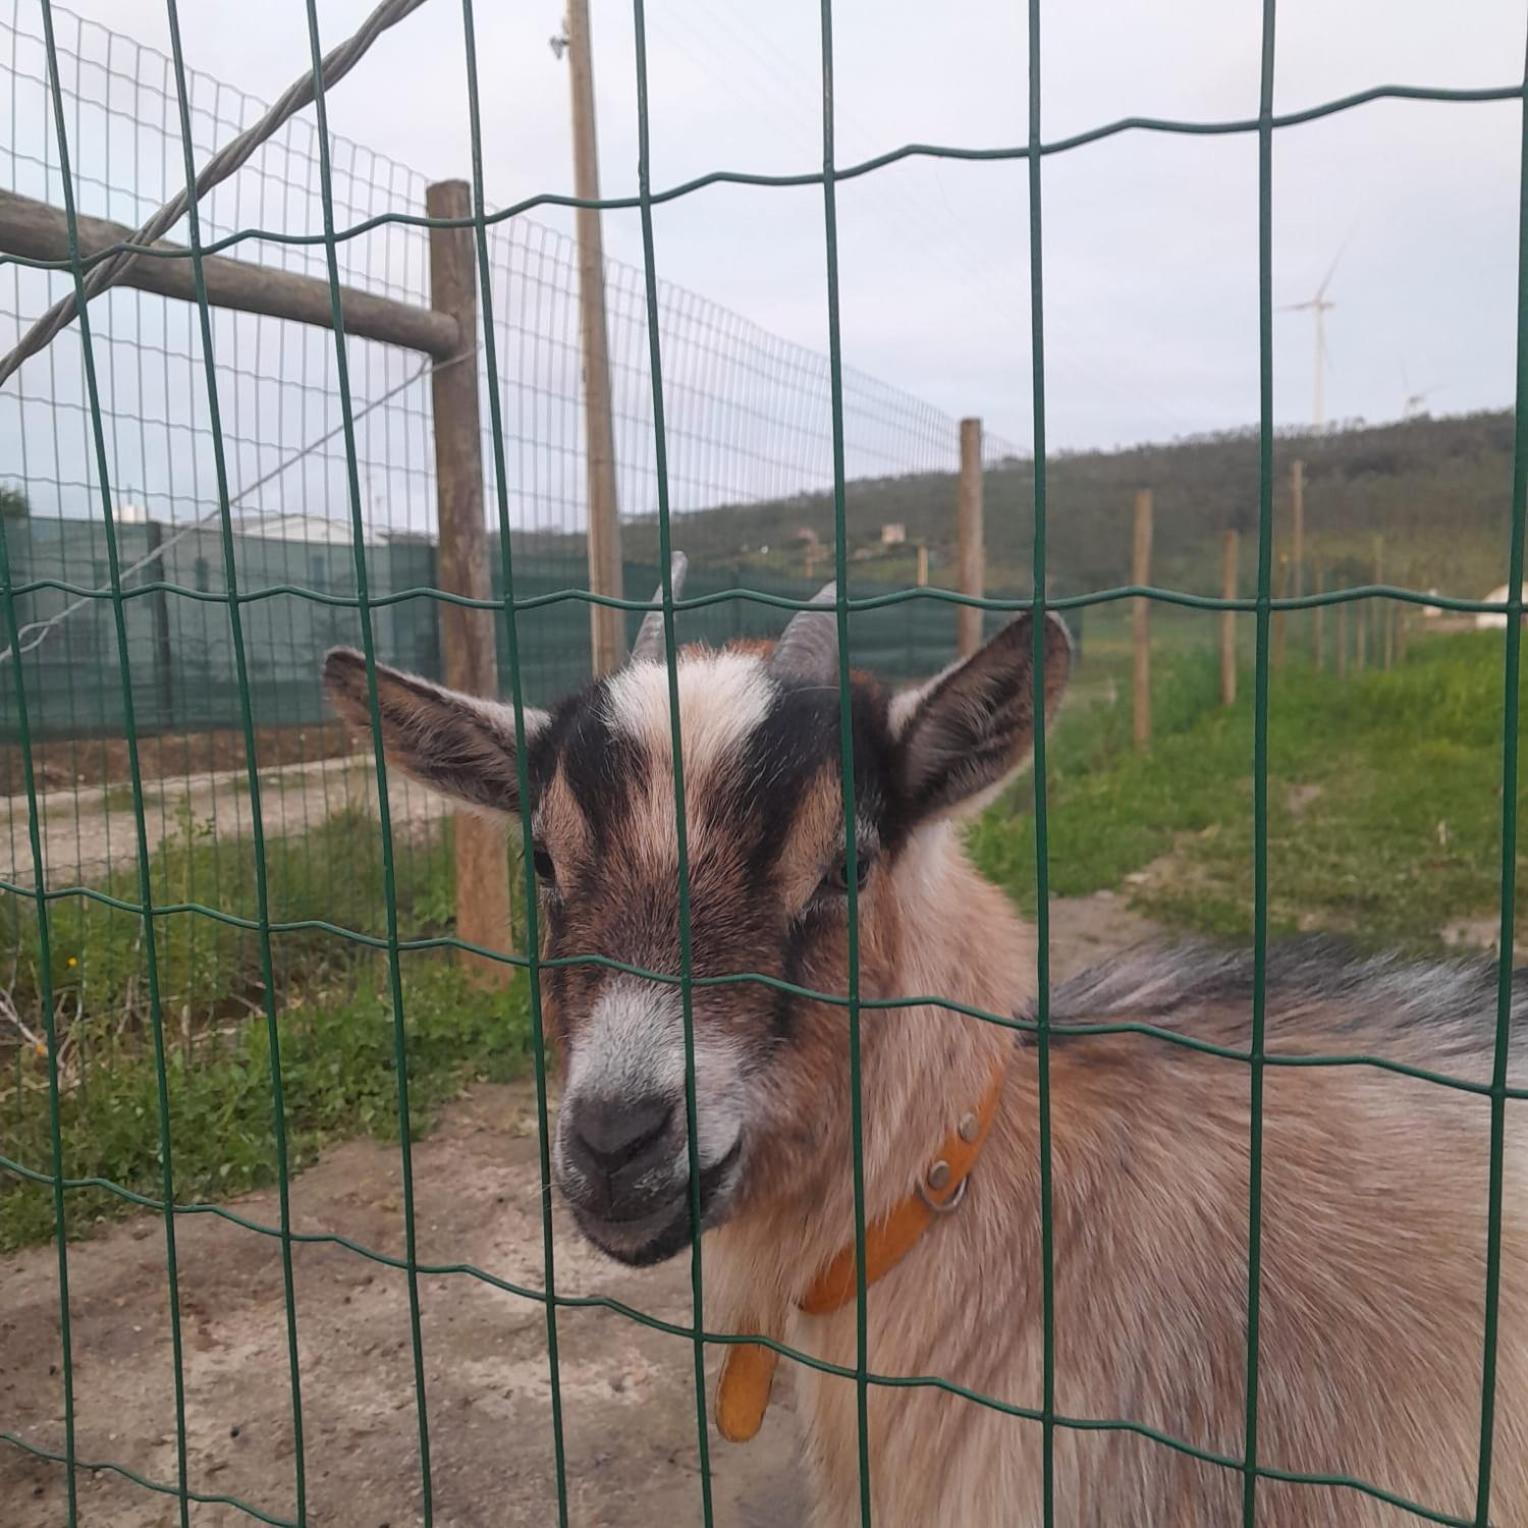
(944, 1206)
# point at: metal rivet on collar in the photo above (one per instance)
(968, 1127)
(938, 1175)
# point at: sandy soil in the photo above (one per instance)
(70, 763)
(89, 832)
(627, 1391)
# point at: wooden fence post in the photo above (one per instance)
(1318, 642)
(1140, 574)
(607, 626)
(466, 635)
(1381, 611)
(1342, 640)
(164, 647)
(1280, 617)
(972, 555)
(1297, 538)
(1230, 581)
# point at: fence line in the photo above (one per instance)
(749, 419)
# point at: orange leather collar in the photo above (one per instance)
(748, 1370)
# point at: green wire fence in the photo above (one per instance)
(344, 387)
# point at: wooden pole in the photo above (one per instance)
(1297, 523)
(1280, 617)
(466, 635)
(1140, 574)
(1318, 655)
(607, 626)
(1342, 640)
(922, 565)
(971, 553)
(37, 231)
(1230, 580)
(1361, 619)
(164, 646)
(1297, 537)
(1379, 607)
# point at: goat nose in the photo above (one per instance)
(613, 1133)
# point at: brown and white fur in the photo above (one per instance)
(1374, 1185)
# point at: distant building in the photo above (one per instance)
(893, 534)
(315, 529)
(1487, 620)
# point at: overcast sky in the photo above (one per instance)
(1150, 240)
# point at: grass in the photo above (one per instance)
(332, 998)
(1384, 804)
(1384, 824)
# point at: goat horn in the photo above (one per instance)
(648, 648)
(808, 647)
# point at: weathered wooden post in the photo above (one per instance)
(1140, 575)
(971, 550)
(466, 634)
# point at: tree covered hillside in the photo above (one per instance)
(1437, 490)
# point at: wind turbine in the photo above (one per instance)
(1318, 306)
(1411, 403)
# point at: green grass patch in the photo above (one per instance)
(1384, 798)
(333, 1001)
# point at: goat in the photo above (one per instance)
(1374, 1183)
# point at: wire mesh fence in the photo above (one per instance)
(211, 499)
(748, 424)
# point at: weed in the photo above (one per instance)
(331, 998)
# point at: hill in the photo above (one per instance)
(1437, 489)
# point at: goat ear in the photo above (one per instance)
(967, 731)
(454, 743)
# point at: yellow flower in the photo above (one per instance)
(40, 1048)
(72, 962)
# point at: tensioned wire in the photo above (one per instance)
(1263, 605)
(49, 1020)
(522, 759)
(936, 1382)
(247, 723)
(846, 765)
(1042, 833)
(389, 872)
(671, 663)
(1256, 1061)
(145, 888)
(1180, 126)
(1509, 773)
(224, 163)
(1014, 1022)
(996, 602)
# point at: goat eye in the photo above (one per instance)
(545, 869)
(837, 879)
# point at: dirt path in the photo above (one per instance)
(627, 1391)
(87, 833)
